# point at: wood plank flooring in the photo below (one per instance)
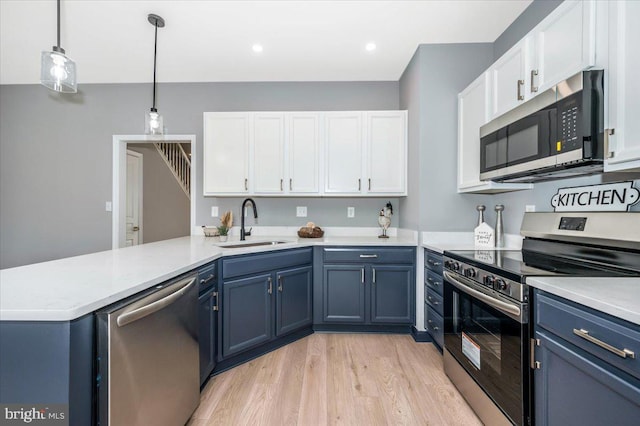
(337, 379)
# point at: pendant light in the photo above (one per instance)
(153, 120)
(57, 71)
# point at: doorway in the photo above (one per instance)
(134, 204)
(119, 217)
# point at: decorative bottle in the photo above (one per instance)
(480, 209)
(499, 230)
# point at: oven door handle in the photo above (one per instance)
(504, 307)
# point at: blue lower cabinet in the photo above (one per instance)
(392, 294)
(271, 300)
(586, 365)
(293, 299)
(207, 323)
(246, 313)
(573, 388)
(344, 294)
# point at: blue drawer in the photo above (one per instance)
(369, 255)
(433, 261)
(207, 277)
(562, 317)
(251, 264)
(434, 281)
(434, 300)
(435, 327)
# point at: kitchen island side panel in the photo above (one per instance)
(45, 362)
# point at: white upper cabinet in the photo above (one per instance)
(303, 142)
(355, 153)
(624, 87)
(473, 112)
(386, 145)
(564, 45)
(343, 145)
(268, 135)
(507, 79)
(226, 153)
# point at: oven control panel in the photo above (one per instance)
(496, 283)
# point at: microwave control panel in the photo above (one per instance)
(569, 134)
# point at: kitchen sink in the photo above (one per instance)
(254, 244)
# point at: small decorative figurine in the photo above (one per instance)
(384, 219)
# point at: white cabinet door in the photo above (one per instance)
(343, 140)
(226, 153)
(473, 112)
(386, 150)
(565, 45)
(268, 153)
(303, 144)
(507, 79)
(624, 86)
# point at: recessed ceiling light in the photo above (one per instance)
(257, 48)
(370, 47)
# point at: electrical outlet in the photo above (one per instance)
(214, 211)
(301, 211)
(530, 208)
(108, 206)
(351, 212)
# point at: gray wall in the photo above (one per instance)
(166, 208)
(55, 154)
(429, 89)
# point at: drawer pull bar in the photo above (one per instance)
(624, 353)
(368, 256)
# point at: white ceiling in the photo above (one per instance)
(112, 41)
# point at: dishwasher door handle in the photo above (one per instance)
(152, 307)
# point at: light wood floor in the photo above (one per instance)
(337, 379)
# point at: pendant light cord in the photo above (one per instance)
(58, 24)
(155, 52)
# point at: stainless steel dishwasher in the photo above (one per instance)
(148, 358)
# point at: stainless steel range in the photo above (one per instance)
(486, 301)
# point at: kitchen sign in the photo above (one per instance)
(608, 197)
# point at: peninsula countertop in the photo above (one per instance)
(67, 289)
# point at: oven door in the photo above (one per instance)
(489, 343)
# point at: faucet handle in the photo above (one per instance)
(248, 233)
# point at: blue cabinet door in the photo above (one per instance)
(246, 313)
(344, 293)
(293, 299)
(206, 331)
(573, 387)
(392, 294)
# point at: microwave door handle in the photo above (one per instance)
(504, 307)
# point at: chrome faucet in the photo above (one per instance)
(244, 233)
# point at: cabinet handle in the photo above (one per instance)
(281, 184)
(216, 307)
(280, 283)
(369, 184)
(534, 88)
(359, 185)
(206, 280)
(520, 84)
(368, 256)
(623, 353)
(290, 184)
(270, 289)
(435, 303)
(374, 275)
(362, 275)
(433, 328)
(246, 184)
(607, 147)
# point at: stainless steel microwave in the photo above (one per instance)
(557, 134)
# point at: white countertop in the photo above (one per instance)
(442, 241)
(619, 297)
(66, 289)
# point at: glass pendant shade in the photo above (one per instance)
(153, 123)
(57, 72)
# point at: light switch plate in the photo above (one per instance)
(351, 212)
(530, 208)
(301, 211)
(214, 211)
(108, 206)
